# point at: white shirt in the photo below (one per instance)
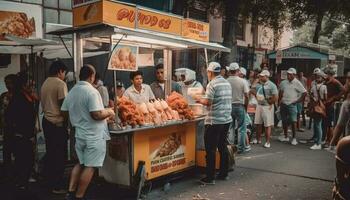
(184, 87)
(144, 96)
(239, 89)
(292, 91)
(318, 88)
(80, 101)
(104, 94)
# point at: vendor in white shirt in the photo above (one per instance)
(138, 92)
(189, 81)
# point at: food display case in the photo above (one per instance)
(140, 149)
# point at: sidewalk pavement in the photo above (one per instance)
(281, 172)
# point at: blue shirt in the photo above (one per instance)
(220, 94)
(80, 101)
(270, 90)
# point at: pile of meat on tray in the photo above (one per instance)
(156, 112)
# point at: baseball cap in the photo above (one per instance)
(321, 73)
(316, 70)
(243, 71)
(329, 71)
(119, 84)
(265, 73)
(233, 66)
(292, 71)
(214, 67)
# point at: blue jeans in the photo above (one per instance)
(239, 113)
(318, 130)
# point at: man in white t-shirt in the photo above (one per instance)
(139, 92)
(291, 92)
(88, 116)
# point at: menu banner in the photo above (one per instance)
(195, 30)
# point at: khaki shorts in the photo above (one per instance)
(265, 115)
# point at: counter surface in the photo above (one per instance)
(142, 128)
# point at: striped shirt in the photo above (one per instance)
(220, 94)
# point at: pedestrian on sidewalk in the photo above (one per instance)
(335, 90)
(240, 90)
(53, 92)
(5, 131)
(300, 106)
(218, 100)
(318, 93)
(88, 115)
(23, 127)
(266, 95)
(291, 92)
(344, 116)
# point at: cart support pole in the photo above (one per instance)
(167, 70)
(78, 54)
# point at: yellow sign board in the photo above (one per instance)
(195, 30)
(130, 16)
(159, 22)
(165, 150)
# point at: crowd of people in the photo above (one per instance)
(249, 105)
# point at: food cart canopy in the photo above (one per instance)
(143, 36)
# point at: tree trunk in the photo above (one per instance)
(230, 41)
(318, 28)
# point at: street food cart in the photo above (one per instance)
(134, 153)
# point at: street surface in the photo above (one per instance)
(282, 172)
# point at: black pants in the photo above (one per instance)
(56, 153)
(8, 148)
(24, 160)
(215, 136)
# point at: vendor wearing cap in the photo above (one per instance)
(218, 99)
(189, 81)
(291, 92)
(240, 90)
(266, 95)
(138, 92)
(158, 87)
(335, 90)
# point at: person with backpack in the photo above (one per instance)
(318, 94)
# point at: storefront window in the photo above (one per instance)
(65, 4)
(51, 3)
(65, 17)
(33, 1)
(51, 16)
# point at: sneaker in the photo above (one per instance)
(222, 177)
(282, 138)
(330, 149)
(70, 196)
(316, 147)
(259, 142)
(323, 142)
(247, 148)
(59, 191)
(326, 146)
(301, 130)
(207, 181)
(267, 145)
(255, 141)
(294, 142)
(32, 180)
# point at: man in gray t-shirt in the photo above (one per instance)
(240, 92)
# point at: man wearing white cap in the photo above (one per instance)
(266, 95)
(240, 90)
(218, 99)
(291, 93)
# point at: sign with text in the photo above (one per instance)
(165, 150)
(195, 30)
(76, 3)
(21, 20)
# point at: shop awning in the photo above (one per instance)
(300, 52)
(143, 36)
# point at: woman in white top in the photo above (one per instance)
(318, 92)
